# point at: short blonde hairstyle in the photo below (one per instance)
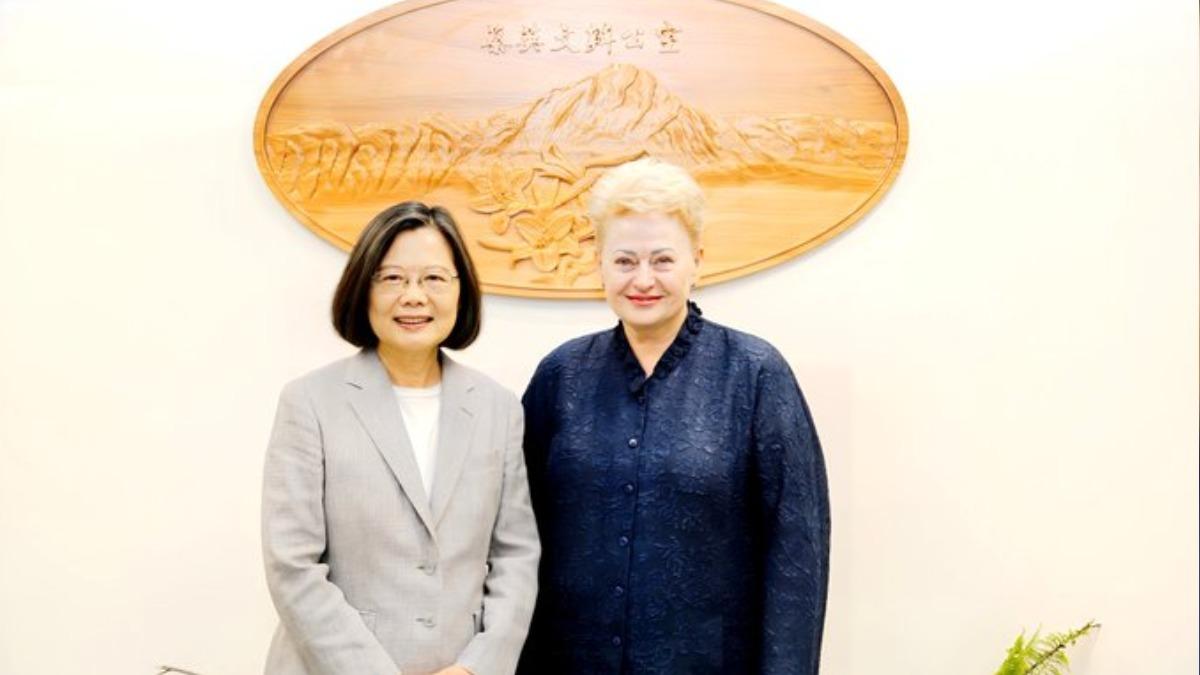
(648, 185)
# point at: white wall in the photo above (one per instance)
(1002, 357)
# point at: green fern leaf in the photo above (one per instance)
(1017, 657)
(1051, 651)
(1042, 655)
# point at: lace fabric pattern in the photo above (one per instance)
(684, 516)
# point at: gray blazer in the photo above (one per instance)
(368, 574)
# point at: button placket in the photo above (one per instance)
(634, 444)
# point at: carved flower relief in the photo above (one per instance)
(551, 234)
(573, 268)
(500, 194)
(546, 236)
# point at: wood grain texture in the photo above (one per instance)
(507, 112)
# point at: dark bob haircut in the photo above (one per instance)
(352, 300)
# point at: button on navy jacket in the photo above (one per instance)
(684, 516)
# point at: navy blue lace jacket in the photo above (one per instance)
(684, 516)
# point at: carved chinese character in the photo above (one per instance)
(599, 37)
(633, 38)
(495, 44)
(531, 39)
(668, 38)
(563, 39)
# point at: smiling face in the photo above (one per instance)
(414, 297)
(647, 267)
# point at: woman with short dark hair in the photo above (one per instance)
(397, 531)
(353, 295)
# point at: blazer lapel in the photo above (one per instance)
(374, 403)
(456, 422)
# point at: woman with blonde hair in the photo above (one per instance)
(675, 473)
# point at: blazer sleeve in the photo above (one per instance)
(794, 510)
(510, 587)
(329, 633)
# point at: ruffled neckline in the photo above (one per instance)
(679, 347)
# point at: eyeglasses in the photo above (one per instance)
(432, 280)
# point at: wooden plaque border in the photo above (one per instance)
(833, 37)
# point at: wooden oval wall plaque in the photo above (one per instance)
(507, 113)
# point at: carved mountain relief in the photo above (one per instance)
(528, 169)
